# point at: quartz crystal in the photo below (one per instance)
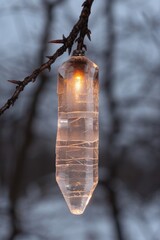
(78, 132)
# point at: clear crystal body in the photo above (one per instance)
(78, 132)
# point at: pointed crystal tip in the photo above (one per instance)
(77, 211)
(77, 196)
(77, 205)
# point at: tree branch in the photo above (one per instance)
(68, 42)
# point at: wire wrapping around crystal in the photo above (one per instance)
(78, 132)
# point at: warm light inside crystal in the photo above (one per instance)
(78, 80)
(78, 132)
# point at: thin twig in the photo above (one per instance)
(80, 28)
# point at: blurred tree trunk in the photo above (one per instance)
(31, 114)
(112, 165)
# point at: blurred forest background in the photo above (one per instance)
(126, 46)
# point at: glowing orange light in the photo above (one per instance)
(78, 81)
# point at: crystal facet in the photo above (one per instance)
(78, 132)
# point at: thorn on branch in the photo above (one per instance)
(33, 79)
(10, 102)
(49, 57)
(15, 82)
(88, 33)
(59, 41)
(85, 47)
(69, 50)
(64, 38)
(49, 68)
(35, 74)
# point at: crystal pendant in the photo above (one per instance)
(78, 132)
